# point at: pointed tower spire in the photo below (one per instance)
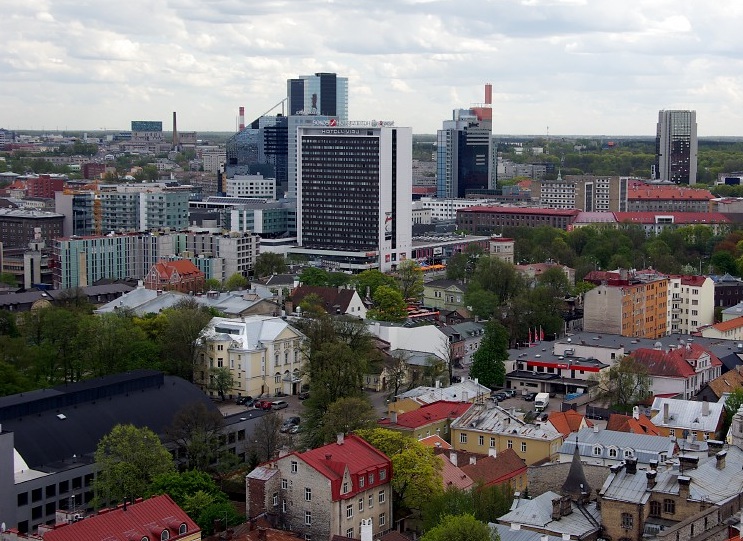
(576, 484)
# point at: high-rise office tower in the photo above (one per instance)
(464, 150)
(353, 195)
(676, 147)
(320, 94)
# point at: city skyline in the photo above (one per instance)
(557, 66)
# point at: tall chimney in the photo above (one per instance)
(488, 94)
(453, 457)
(705, 408)
(241, 118)
(650, 474)
(176, 142)
(666, 415)
(684, 483)
(721, 459)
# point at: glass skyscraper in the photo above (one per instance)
(676, 147)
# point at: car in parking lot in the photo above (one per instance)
(262, 404)
(510, 393)
(529, 397)
(304, 395)
(288, 424)
(279, 404)
(499, 397)
(244, 400)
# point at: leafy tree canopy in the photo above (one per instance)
(459, 528)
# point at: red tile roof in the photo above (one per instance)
(678, 217)
(146, 518)
(568, 421)
(729, 325)
(689, 280)
(452, 476)
(333, 297)
(496, 470)
(654, 192)
(435, 441)
(627, 423)
(184, 267)
(353, 454)
(428, 414)
(673, 363)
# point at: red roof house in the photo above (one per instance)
(431, 419)
(181, 275)
(567, 422)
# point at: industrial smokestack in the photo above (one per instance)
(175, 133)
(241, 118)
(488, 94)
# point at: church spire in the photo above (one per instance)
(576, 484)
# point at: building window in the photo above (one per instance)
(523, 446)
(382, 519)
(165, 535)
(371, 478)
(307, 494)
(182, 529)
(654, 509)
(284, 484)
(349, 511)
(480, 440)
(381, 496)
(509, 444)
(361, 481)
(275, 499)
(612, 453)
(596, 450)
(382, 475)
(371, 501)
(294, 466)
(492, 442)
(361, 504)
(345, 488)
(462, 438)
(349, 532)
(672, 431)
(628, 453)
(669, 506)
(283, 506)
(627, 521)
(277, 378)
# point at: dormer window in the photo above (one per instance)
(165, 535)
(345, 488)
(597, 450)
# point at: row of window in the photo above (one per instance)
(481, 441)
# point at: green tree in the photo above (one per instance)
(181, 485)
(493, 284)
(183, 326)
(453, 501)
(347, 415)
(459, 528)
(212, 284)
(219, 512)
(267, 438)
(129, 459)
(312, 276)
(8, 279)
(368, 281)
(389, 305)
(268, 263)
(625, 384)
(221, 380)
(417, 471)
(196, 430)
(733, 402)
(236, 282)
(488, 362)
(410, 280)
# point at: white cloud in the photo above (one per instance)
(579, 66)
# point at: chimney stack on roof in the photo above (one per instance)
(666, 415)
(339, 438)
(721, 459)
(705, 408)
(651, 474)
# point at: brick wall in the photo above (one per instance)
(552, 476)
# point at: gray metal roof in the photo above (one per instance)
(687, 414)
(642, 446)
(538, 513)
(493, 419)
(508, 533)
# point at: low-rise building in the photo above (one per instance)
(607, 447)
(722, 385)
(568, 422)
(182, 276)
(443, 294)
(489, 220)
(498, 469)
(486, 426)
(681, 371)
(686, 419)
(326, 491)
(467, 390)
(634, 424)
(428, 420)
(334, 300)
(263, 354)
(732, 329)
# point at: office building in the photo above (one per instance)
(251, 186)
(583, 192)
(676, 147)
(353, 195)
(18, 227)
(464, 151)
(320, 94)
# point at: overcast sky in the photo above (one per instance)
(576, 66)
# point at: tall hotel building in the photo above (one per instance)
(676, 147)
(353, 194)
(320, 94)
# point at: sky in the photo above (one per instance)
(589, 67)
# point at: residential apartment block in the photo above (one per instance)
(262, 353)
(18, 227)
(329, 491)
(490, 220)
(251, 186)
(643, 197)
(583, 192)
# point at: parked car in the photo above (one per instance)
(294, 429)
(243, 400)
(288, 424)
(510, 393)
(262, 404)
(304, 395)
(499, 397)
(529, 397)
(279, 404)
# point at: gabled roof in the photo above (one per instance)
(729, 325)
(687, 414)
(183, 267)
(537, 512)
(627, 423)
(453, 476)
(726, 383)
(428, 414)
(495, 470)
(353, 455)
(435, 441)
(674, 363)
(334, 298)
(446, 284)
(146, 518)
(568, 421)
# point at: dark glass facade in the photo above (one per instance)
(340, 192)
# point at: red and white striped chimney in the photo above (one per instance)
(241, 118)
